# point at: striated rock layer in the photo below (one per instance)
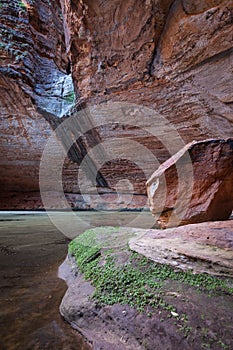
(174, 57)
(33, 84)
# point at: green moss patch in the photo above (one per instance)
(122, 276)
(133, 279)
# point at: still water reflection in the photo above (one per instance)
(31, 249)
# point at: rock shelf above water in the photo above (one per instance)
(203, 248)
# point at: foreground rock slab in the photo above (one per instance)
(202, 248)
(129, 302)
(195, 185)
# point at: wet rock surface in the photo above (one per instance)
(120, 327)
(195, 185)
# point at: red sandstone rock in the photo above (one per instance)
(174, 57)
(203, 248)
(32, 58)
(194, 185)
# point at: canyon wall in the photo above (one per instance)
(33, 73)
(174, 57)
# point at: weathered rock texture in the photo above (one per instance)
(196, 184)
(33, 79)
(33, 53)
(202, 248)
(172, 56)
(206, 247)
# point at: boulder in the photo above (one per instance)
(173, 57)
(195, 185)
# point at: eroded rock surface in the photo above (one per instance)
(172, 56)
(202, 248)
(116, 327)
(192, 309)
(194, 185)
(33, 85)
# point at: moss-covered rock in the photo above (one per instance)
(115, 284)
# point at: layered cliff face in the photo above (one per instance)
(33, 84)
(174, 57)
(162, 54)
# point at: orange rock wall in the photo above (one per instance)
(175, 57)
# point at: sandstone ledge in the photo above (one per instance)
(203, 248)
(183, 312)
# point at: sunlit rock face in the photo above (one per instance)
(174, 57)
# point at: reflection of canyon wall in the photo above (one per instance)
(175, 57)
